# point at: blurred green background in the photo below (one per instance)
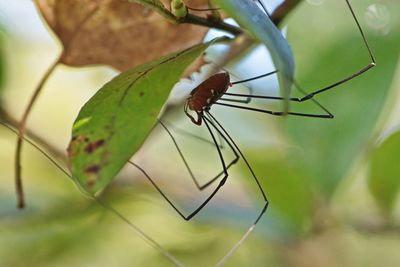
(333, 184)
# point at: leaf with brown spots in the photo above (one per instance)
(114, 123)
(116, 32)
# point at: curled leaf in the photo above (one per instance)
(260, 26)
(114, 32)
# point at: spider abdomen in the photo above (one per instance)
(208, 92)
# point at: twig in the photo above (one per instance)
(282, 10)
(8, 119)
(220, 24)
(21, 132)
(277, 17)
(107, 207)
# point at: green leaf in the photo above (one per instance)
(383, 180)
(250, 16)
(328, 148)
(114, 123)
(288, 189)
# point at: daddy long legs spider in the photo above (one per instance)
(216, 129)
(215, 91)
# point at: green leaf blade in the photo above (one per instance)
(289, 190)
(261, 27)
(115, 122)
(329, 148)
(383, 180)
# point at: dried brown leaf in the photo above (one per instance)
(115, 32)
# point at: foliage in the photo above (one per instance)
(2, 63)
(328, 149)
(107, 32)
(321, 211)
(384, 182)
(114, 123)
(260, 25)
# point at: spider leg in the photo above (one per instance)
(224, 133)
(281, 113)
(248, 96)
(327, 115)
(248, 99)
(205, 202)
(326, 88)
(341, 81)
(264, 8)
(171, 127)
(192, 175)
(107, 207)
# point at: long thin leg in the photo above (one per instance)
(264, 8)
(280, 113)
(140, 232)
(256, 77)
(327, 115)
(333, 85)
(248, 99)
(264, 209)
(243, 101)
(221, 183)
(204, 186)
(248, 96)
(190, 134)
(224, 133)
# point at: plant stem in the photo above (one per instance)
(277, 16)
(12, 122)
(282, 10)
(22, 131)
(221, 25)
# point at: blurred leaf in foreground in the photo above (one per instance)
(260, 25)
(328, 148)
(288, 189)
(2, 67)
(384, 175)
(114, 123)
(114, 32)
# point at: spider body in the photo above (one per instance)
(205, 94)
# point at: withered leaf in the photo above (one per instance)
(116, 32)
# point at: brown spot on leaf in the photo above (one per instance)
(91, 147)
(75, 141)
(91, 182)
(92, 169)
(141, 94)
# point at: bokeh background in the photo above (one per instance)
(332, 184)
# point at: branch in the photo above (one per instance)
(21, 132)
(9, 120)
(277, 16)
(283, 10)
(220, 24)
